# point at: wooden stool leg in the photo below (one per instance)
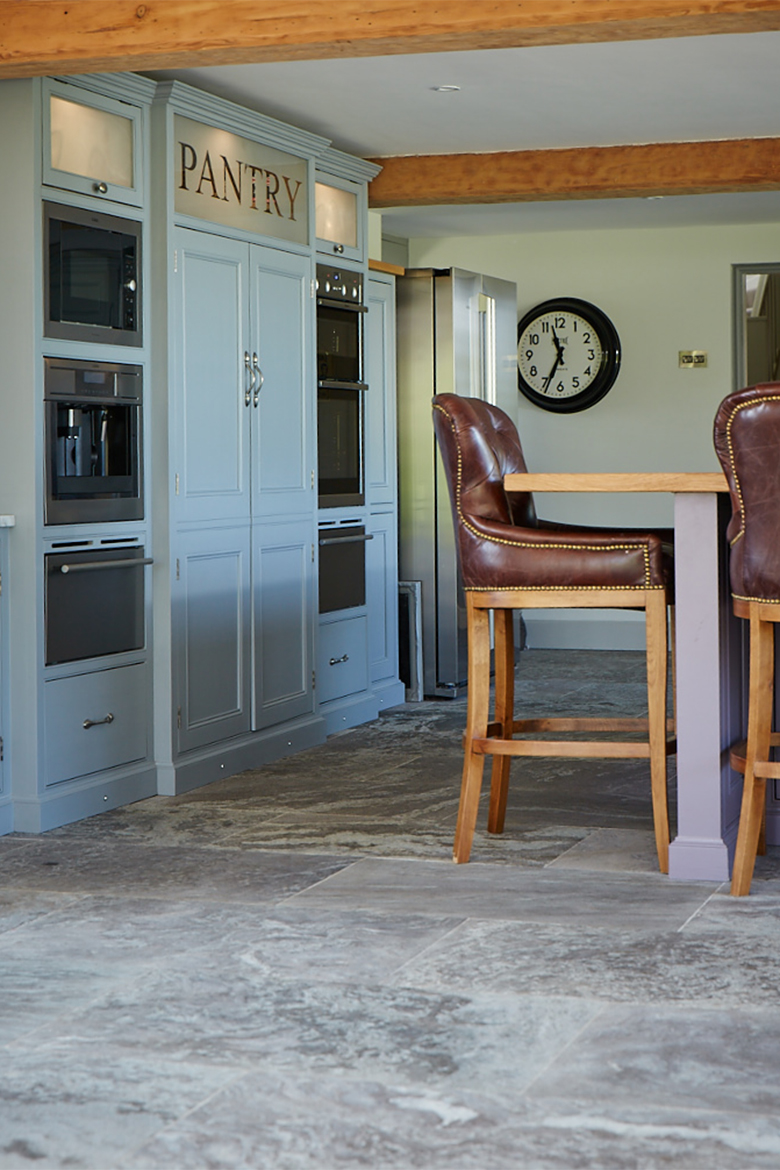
(655, 619)
(760, 696)
(478, 628)
(504, 657)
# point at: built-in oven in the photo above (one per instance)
(94, 599)
(342, 571)
(92, 266)
(340, 387)
(93, 441)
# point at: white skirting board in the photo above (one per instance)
(580, 630)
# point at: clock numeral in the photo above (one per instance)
(560, 387)
(545, 326)
(591, 355)
(575, 383)
(560, 322)
(533, 339)
(586, 338)
(533, 371)
(529, 353)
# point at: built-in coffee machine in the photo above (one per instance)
(93, 441)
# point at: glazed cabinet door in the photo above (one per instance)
(282, 369)
(211, 378)
(283, 620)
(212, 635)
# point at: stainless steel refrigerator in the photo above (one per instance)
(456, 334)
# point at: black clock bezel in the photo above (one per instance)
(610, 355)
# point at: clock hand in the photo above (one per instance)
(558, 346)
(551, 374)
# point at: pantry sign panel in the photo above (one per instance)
(234, 181)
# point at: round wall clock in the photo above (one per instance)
(568, 355)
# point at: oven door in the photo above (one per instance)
(340, 446)
(342, 567)
(94, 603)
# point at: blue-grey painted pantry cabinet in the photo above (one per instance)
(163, 615)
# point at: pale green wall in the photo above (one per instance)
(666, 289)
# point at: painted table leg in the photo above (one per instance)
(708, 681)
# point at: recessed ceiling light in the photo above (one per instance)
(445, 88)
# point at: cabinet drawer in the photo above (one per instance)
(343, 659)
(75, 750)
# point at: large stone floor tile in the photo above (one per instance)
(70, 1106)
(491, 891)
(333, 1123)
(120, 867)
(227, 1017)
(614, 850)
(632, 965)
(664, 1056)
(19, 907)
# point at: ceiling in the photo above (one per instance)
(545, 97)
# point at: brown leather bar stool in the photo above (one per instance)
(511, 560)
(747, 440)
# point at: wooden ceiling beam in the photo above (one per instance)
(608, 172)
(86, 36)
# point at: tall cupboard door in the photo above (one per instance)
(282, 335)
(381, 462)
(211, 619)
(211, 356)
(283, 491)
(283, 621)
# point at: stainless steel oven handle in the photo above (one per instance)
(251, 386)
(335, 303)
(260, 377)
(332, 384)
(97, 722)
(346, 539)
(131, 564)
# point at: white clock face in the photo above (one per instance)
(559, 354)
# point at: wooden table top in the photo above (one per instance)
(619, 481)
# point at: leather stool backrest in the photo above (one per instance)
(479, 445)
(747, 442)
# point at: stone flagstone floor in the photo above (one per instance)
(284, 970)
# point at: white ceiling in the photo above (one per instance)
(671, 90)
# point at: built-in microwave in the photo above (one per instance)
(92, 266)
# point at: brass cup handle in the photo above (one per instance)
(97, 722)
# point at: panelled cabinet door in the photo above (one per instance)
(283, 372)
(212, 630)
(381, 464)
(211, 378)
(283, 621)
(382, 597)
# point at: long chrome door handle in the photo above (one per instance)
(251, 386)
(260, 377)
